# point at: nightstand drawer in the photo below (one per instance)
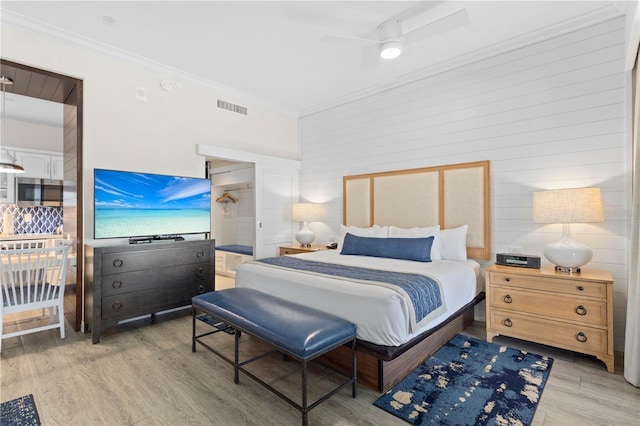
(550, 305)
(285, 250)
(560, 285)
(549, 332)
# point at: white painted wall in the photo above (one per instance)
(40, 136)
(159, 135)
(551, 115)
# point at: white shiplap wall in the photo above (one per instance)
(548, 115)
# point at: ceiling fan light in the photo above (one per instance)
(390, 49)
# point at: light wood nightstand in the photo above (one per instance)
(569, 311)
(284, 250)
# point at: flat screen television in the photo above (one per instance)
(136, 205)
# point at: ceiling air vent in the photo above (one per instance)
(232, 107)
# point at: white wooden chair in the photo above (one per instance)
(33, 279)
(23, 244)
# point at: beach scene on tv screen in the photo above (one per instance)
(129, 204)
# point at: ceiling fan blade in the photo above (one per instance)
(455, 20)
(317, 14)
(349, 38)
(415, 10)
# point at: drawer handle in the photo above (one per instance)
(118, 263)
(116, 284)
(199, 272)
(507, 279)
(116, 306)
(200, 289)
(581, 310)
(508, 299)
(507, 322)
(200, 254)
(581, 337)
(580, 288)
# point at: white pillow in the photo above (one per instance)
(453, 243)
(429, 231)
(375, 231)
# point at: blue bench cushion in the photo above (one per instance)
(301, 331)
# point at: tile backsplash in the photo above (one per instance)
(44, 220)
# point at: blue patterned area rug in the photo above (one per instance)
(471, 382)
(19, 412)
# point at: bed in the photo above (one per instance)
(446, 207)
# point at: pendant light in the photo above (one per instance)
(8, 164)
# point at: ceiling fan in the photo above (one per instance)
(391, 35)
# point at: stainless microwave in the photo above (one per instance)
(39, 192)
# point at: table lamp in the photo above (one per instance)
(567, 206)
(306, 212)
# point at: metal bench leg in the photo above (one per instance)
(193, 336)
(305, 419)
(236, 358)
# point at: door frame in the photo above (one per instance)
(71, 96)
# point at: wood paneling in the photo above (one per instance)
(549, 115)
(37, 83)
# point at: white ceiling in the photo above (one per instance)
(275, 52)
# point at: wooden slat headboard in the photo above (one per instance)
(450, 195)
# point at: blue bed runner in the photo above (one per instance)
(237, 248)
(423, 291)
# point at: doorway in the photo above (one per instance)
(50, 86)
(232, 216)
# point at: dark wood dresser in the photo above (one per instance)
(126, 281)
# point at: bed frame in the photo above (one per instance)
(451, 196)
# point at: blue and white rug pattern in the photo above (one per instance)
(471, 382)
(19, 412)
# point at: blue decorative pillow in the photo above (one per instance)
(418, 249)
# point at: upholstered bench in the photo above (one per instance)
(294, 330)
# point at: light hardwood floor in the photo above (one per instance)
(146, 374)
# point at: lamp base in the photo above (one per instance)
(305, 237)
(568, 255)
(567, 270)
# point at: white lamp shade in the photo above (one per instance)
(566, 206)
(306, 212)
(573, 205)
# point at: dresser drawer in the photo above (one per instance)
(573, 286)
(129, 305)
(119, 262)
(176, 276)
(550, 305)
(549, 332)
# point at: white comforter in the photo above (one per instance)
(381, 314)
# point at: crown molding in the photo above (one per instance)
(594, 17)
(13, 18)
(585, 20)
